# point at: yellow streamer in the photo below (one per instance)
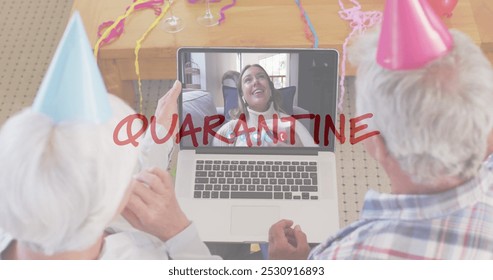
(106, 33)
(139, 45)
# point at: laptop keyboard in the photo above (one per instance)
(224, 179)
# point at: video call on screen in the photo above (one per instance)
(306, 80)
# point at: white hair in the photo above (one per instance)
(62, 183)
(436, 120)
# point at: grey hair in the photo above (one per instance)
(435, 121)
(61, 184)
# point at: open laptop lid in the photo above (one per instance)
(307, 80)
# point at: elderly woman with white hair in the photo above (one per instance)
(63, 179)
(62, 185)
(435, 144)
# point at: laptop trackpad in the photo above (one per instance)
(253, 220)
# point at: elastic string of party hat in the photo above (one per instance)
(359, 21)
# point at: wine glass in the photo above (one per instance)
(172, 24)
(208, 19)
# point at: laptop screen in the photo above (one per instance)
(258, 99)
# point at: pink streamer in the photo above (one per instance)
(359, 21)
(196, 1)
(116, 32)
(223, 9)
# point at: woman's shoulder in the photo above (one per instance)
(228, 125)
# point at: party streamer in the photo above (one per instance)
(196, 1)
(113, 34)
(309, 29)
(114, 29)
(139, 45)
(223, 9)
(359, 21)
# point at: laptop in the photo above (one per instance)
(234, 192)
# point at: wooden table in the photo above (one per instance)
(483, 14)
(251, 23)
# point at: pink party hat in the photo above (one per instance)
(412, 35)
(73, 88)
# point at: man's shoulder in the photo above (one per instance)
(412, 239)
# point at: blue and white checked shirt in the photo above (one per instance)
(456, 224)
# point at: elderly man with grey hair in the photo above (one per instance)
(436, 135)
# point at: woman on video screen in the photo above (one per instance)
(259, 99)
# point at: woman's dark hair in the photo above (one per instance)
(242, 106)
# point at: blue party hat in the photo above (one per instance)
(73, 88)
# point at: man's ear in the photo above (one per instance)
(375, 146)
(490, 144)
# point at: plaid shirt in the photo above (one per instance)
(456, 224)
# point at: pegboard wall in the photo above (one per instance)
(356, 170)
(29, 33)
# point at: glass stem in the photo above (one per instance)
(171, 8)
(208, 13)
(172, 18)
